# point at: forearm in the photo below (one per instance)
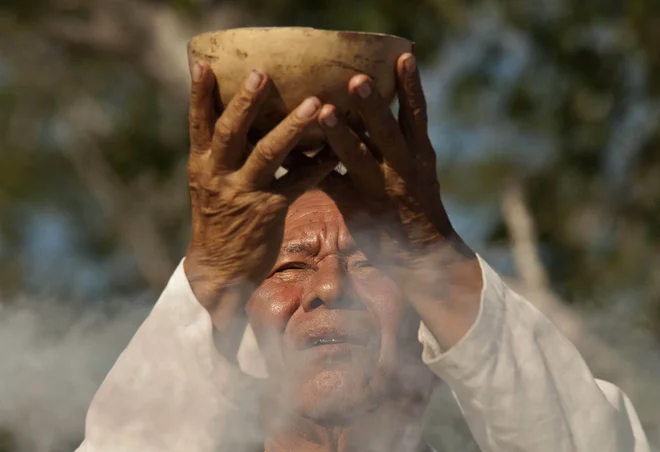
(223, 296)
(522, 385)
(170, 390)
(444, 286)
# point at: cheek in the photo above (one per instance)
(386, 302)
(269, 310)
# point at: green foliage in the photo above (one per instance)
(417, 20)
(575, 83)
(591, 66)
(589, 69)
(7, 441)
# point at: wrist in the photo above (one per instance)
(444, 286)
(215, 288)
(446, 262)
(224, 298)
(441, 254)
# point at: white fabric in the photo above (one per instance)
(520, 384)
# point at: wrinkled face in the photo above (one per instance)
(335, 331)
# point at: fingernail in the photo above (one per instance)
(410, 63)
(363, 90)
(253, 81)
(330, 120)
(196, 72)
(308, 108)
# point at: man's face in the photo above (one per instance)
(335, 331)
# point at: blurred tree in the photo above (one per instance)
(561, 96)
(92, 130)
(582, 80)
(7, 443)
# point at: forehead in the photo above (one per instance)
(313, 208)
(315, 216)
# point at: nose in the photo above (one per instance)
(329, 287)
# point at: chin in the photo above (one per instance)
(338, 394)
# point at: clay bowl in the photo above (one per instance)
(301, 62)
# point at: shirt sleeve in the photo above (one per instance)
(522, 386)
(170, 390)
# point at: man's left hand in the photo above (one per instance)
(393, 166)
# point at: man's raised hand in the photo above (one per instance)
(238, 207)
(394, 165)
(393, 168)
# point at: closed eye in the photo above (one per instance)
(363, 264)
(292, 266)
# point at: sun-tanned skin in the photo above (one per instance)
(335, 279)
(363, 391)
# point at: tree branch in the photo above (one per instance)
(535, 284)
(153, 35)
(135, 227)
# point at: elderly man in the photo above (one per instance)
(362, 298)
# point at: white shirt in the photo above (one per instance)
(520, 384)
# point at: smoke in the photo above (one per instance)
(52, 360)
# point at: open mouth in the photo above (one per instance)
(336, 339)
(335, 330)
(328, 341)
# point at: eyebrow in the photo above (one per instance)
(299, 248)
(311, 247)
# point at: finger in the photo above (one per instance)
(201, 113)
(362, 167)
(307, 174)
(383, 128)
(230, 135)
(270, 152)
(363, 135)
(413, 118)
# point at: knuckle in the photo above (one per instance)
(363, 151)
(266, 152)
(195, 129)
(277, 203)
(418, 111)
(224, 133)
(198, 95)
(290, 129)
(244, 101)
(194, 182)
(417, 104)
(195, 93)
(196, 121)
(195, 168)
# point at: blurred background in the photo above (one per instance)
(545, 115)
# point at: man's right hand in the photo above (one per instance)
(238, 207)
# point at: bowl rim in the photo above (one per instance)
(322, 30)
